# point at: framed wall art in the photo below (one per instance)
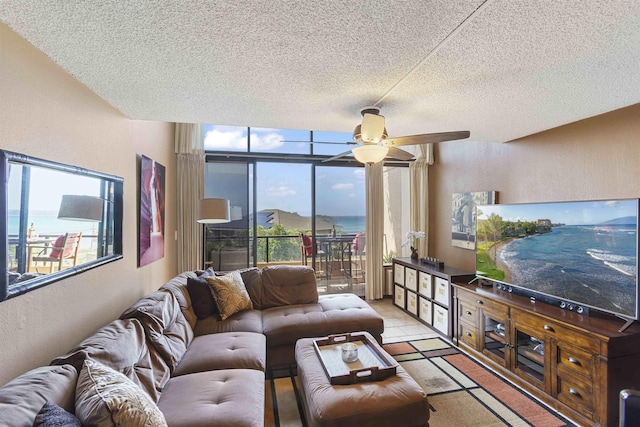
(463, 218)
(151, 212)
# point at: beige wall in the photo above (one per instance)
(596, 158)
(46, 113)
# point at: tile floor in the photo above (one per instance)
(398, 325)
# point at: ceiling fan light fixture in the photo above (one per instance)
(370, 153)
(372, 128)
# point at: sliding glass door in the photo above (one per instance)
(283, 201)
(229, 246)
(340, 222)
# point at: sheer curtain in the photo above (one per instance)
(189, 147)
(374, 274)
(419, 195)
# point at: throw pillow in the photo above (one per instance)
(201, 298)
(106, 397)
(51, 415)
(230, 294)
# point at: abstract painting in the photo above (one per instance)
(151, 212)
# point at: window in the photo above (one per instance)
(59, 221)
(277, 177)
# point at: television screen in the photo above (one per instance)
(580, 252)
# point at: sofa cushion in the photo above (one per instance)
(333, 314)
(245, 321)
(230, 294)
(227, 350)
(105, 397)
(286, 325)
(288, 285)
(165, 326)
(121, 345)
(201, 298)
(349, 313)
(252, 278)
(23, 397)
(51, 415)
(230, 397)
(178, 287)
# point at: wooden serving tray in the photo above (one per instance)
(373, 364)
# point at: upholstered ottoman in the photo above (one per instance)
(395, 401)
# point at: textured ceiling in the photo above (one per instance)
(501, 69)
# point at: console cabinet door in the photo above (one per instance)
(531, 351)
(494, 335)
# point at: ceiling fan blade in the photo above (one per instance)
(399, 154)
(426, 138)
(372, 127)
(336, 157)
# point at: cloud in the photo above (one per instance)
(232, 138)
(359, 173)
(222, 138)
(265, 139)
(342, 187)
(280, 191)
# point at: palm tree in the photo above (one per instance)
(494, 225)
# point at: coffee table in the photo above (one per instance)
(395, 401)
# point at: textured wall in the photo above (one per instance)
(45, 112)
(596, 158)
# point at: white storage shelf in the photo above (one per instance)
(424, 291)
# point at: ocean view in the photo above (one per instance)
(575, 262)
(350, 224)
(48, 223)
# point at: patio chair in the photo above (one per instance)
(307, 251)
(64, 248)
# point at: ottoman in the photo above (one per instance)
(395, 401)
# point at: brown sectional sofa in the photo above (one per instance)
(200, 372)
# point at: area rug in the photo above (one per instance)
(461, 391)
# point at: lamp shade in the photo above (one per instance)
(213, 211)
(370, 153)
(81, 208)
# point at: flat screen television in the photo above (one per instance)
(577, 254)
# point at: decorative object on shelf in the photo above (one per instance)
(463, 214)
(410, 238)
(433, 262)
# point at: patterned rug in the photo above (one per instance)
(461, 391)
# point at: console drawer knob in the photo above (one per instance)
(574, 361)
(548, 328)
(574, 392)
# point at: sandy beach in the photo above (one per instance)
(499, 264)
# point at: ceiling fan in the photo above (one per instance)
(373, 145)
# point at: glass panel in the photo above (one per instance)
(494, 337)
(331, 143)
(396, 208)
(227, 246)
(60, 221)
(284, 211)
(283, 141)
(340, 227)
(530, 355)
(225, 138)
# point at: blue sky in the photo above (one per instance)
(48, 186)
(569, 213)
(286, 186)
